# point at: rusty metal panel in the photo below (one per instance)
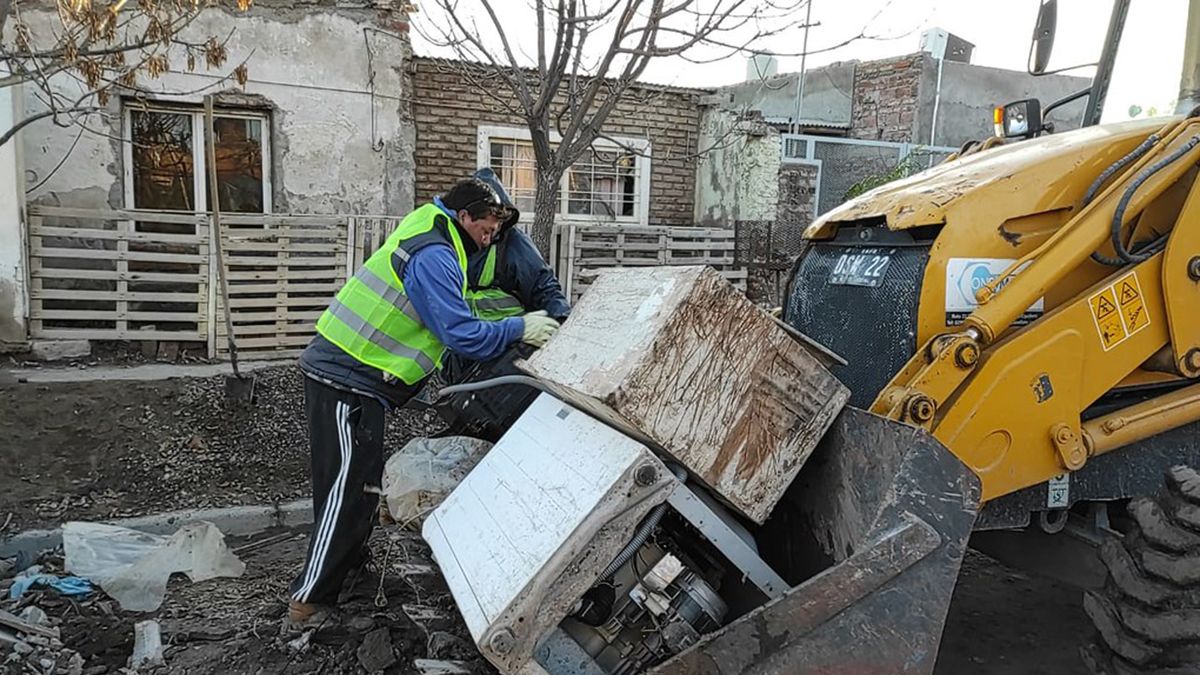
(678, 358)
(872, 534)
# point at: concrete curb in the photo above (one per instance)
(233, 521)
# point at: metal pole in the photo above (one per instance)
(1104, 70)
(803, 65)
(1189, 78)
(210, 146)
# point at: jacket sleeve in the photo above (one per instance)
(433, 282)
(533, 280)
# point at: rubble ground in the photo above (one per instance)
(98, 450)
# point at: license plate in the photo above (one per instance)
(863, 268)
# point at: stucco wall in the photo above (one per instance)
(828, 91)
(336, 146)
(13, 307)
(737, 178)
(970, 93)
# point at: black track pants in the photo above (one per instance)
(345, 432)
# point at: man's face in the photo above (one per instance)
(482, 230)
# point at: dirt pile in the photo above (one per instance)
(98, 450)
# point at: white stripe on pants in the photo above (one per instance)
(333, 506)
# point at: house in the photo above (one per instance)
(318, 133)
(786, 159)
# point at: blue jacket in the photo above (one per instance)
(521, 272)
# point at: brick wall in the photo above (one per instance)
(886, 99)
(797, 200)
(448, 109)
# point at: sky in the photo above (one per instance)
(1147, 72)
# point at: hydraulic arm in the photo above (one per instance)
(1009, 400)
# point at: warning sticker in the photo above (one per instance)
(1133, 307)
(1119, 310)
(1108, 320)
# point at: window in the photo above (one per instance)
(166, 166)
(610, 183)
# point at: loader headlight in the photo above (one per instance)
(1019, 119)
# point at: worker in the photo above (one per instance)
(508, 278)
(383, 335)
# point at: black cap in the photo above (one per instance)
(483, 188)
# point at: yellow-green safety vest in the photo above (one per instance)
(373, 320)
(487, 301)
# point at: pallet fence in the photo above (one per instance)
(367, 234)
(118, 275)
(588, 250)
(283, 270)
(125, 274)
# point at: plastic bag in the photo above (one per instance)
(133, 567)
(418, 477)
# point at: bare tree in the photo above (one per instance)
(72, 55)
(589, 56)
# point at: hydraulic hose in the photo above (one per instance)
(1145, 252)
(1103, 178)
(1116, 166)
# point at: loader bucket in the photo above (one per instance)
(871, 534)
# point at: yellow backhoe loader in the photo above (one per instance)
(1035, 306)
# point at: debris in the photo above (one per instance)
(443, 645)
(34, 615)
(375, 654)
(70, 586)
(74, 665)
(263, 543)
(301, 643)
(428, 618)
(418, 477)
(7, 565)
(22, 648)
(147, 645)
(133, 567)
(10, 638)
(434, 667)
(59, 350)
(12, 621)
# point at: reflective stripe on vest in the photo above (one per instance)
(489, 302)
(372, 319)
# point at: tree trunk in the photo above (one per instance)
(545, 210)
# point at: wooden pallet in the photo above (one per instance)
(282, 273)
(368, 234)
(118, 275)
(591, 249)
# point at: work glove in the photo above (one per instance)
(539, 327)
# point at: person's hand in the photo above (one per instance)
(539, 327)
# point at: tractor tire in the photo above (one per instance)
(1147, 616)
